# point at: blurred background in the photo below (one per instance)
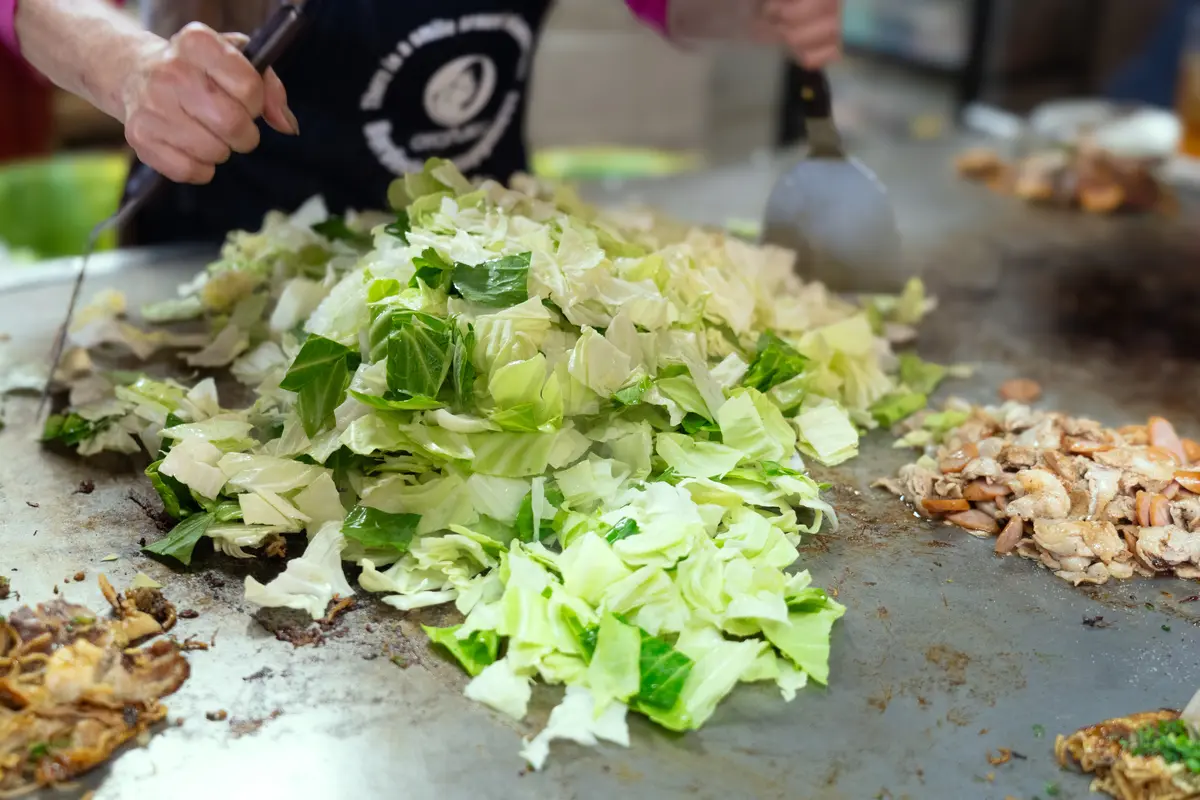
(915, 69)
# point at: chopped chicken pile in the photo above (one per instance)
(1089, 502)
(1101, 750)
(74, 687)
(1083, 177)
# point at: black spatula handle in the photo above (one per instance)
(265, 47)
(815, 101)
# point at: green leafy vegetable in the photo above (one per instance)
(775, 362)
(892, 408)
(379, 530)
(412, 403)
(336, 229)
(419, 354)
(632, 395)
(664, 672)
(177, 500)
(181, 541)
(1170, 740)
(474, 652)
(500, 283)
(462, 368)
(71, 429)
(431, 269)
(319, 375)
(400, 227)
(524, 523)
(920, 376)
(594, 449)
(623, 529)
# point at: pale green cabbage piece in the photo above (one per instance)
(596, 481)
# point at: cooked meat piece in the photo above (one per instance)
(1085, 447)
(983, 468)
(1165, 546)
(1119, 510)
(982, 490)
(1188, 479)
(135, 624)
(1037, 179)
(1146, 468)
(1018, 457)
(975, 520)
(948, 486)
(1185, 513)
(1083, 428)
(1163, 435)
(1022, 390)
(82, 672)
(1101, 197)
(1096, 574)
(1134, 434)
(1010, 536)
(917, 482)
(1121, 570)
(979, 164)
(1008, 470)
(1191, 449)
(890, 484)
(1040, 495)
(1081, 500)
(55, 624)
(1064, 466)
(1088, 540)
(1103, 483)
(992, 510)
(1045, 435)
(958, 460)
(970, 432)
(990, 447)
(936, 505)
(1016, 417)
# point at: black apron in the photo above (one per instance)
(378, 87)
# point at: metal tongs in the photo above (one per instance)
(265, 47)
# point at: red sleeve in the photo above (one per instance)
(651, 12)
(8, 30)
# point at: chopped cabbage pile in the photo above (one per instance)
(584, 428)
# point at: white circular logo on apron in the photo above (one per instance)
(460, 90)
(456, 96)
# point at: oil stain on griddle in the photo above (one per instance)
(1140, 295)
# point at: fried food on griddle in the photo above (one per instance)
(1083, 176)
(1106, 751)
(1089, 502)
(72, 690)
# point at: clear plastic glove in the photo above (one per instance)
(193, 100)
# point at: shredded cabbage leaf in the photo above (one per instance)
(582, 427)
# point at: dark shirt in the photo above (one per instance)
(378, 87)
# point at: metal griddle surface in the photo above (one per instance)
(946, 653)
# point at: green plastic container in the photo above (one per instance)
(48, 207)
(592, 163)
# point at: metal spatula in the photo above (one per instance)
(832, 210)
(264, 48)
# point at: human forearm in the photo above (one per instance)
(87, 47)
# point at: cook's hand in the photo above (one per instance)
(193, 100)
(811, 29)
